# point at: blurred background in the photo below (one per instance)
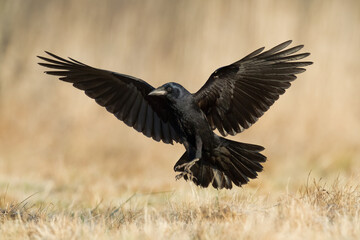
(52, 136)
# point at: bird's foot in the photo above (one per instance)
(187, 166)
(179, 176)
(187, 170)
(189, 175)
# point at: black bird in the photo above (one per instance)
(232, 99)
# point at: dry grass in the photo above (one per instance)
(91, 177)
(315, 211)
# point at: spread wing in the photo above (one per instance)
(124, 96)
(235, 96)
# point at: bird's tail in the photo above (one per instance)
(232, 162)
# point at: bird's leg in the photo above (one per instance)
(187, 169)
(187, 166)
(195, 155)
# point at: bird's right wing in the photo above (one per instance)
(124, 96)
(235, 96)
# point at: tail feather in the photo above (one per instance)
(249, 160)
(237, 176)
(233, 162)
(221, 180)
(255, 165)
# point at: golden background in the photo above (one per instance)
(52, 133)
(71, 170)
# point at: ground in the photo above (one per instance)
(315, 211)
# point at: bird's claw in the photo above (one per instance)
(189, 175)
(187, 166)
(186, 172)
(179, 176)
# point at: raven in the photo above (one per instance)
(232, 99)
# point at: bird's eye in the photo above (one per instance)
(169, 89)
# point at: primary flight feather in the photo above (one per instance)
(232, 99)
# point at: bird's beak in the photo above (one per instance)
(158, 92)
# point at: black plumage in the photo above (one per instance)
(232, 99)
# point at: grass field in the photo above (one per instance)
(70, 170)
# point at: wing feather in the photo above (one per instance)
(235, 96)
(124, 96)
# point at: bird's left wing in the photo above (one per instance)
(235, 96)
(124, 96)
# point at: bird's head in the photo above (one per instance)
(171, 91)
